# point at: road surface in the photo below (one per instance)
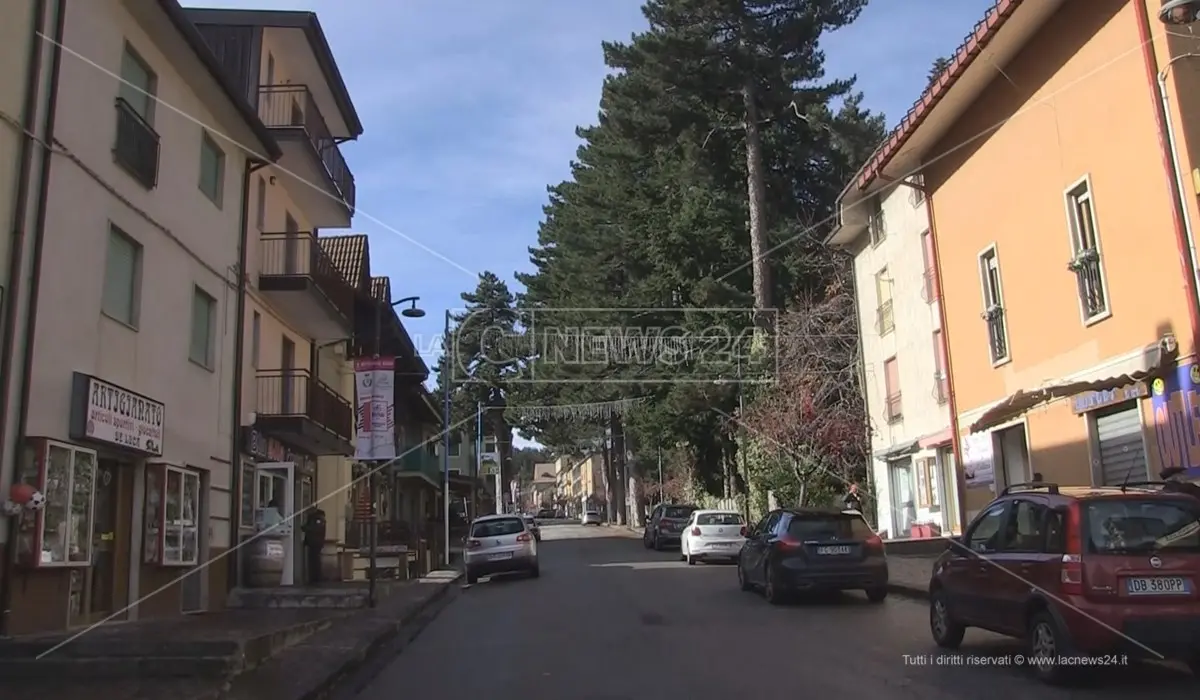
(610, 620)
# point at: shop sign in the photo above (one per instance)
(106, 413)
(1175, 399)
(1095, 400)
(265, 449)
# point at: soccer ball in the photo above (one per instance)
(37, 501)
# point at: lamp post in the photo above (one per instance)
(372, 479)
(446, 381)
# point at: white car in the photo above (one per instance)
(500, 544)
(590, 517)
(712, 534)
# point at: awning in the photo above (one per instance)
(1156, 360)
(897, 451)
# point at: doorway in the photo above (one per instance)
(275, 487)
(105, 583)
(904, 507)
(287, 366)
(1014, 455)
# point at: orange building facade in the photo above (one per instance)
(1048, 151)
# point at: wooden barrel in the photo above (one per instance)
(264, 562)
(331, 564)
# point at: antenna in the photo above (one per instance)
(1128, 474)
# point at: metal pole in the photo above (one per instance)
(372, 488)
(660, 477)
(478, 459)
(741, 451)
(446, 444)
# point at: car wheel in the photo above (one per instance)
(771, 590)
(877, 595)
(1045, 647)
(743, 582)
(947, 633)
(658, 546)
(645, 541)
(472, 578)
(691, 561)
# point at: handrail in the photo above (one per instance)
(137, 145)
(293, 107)
(295, 392)
(300, 254)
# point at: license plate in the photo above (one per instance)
(721, 544)
(1158, 585)
(832, 550)
(500, 557)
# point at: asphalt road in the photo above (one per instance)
(610, 620)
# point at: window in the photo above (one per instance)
(1025, 530)
(498, 528)
(1143, 526)
(941, 377)
(891, 384)
(212, 170)
(61, 533)
(456, 446)
(248, 484)
(489, 444)
(985, 535)
(260, 218)
(885, 317)
(1085, 252)
(993, 305)
(138, 85)
(876, 227)
(122, 278)
(172, 516)
(916, 192)
(929, 290)
(204, 324)
(255, 339)
(718, 519)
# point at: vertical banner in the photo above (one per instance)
(375, 414)
(1175, 399)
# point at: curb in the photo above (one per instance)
(908, 591)
(366, 659)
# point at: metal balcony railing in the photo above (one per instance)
(893, 407)
(941, 387)
(885, 318)
(929, 286)
(293, 107)
(997, 333)
(1086, 267)
(296, 393)
(137, 145)
(299, 254)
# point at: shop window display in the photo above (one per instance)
(172, 516)
(61, 533)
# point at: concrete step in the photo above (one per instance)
(276, 598)
(65, 668)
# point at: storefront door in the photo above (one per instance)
(276, 488)
(904, 507)
(104, 588)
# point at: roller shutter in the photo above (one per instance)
(1119, 435)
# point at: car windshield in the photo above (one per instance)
(719, 519)
(834, 526)
(1131, 525)
(497, 528)
(678, 512)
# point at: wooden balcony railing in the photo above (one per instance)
(137, 145)
(299, 254)
(296, 393)
(293, 107)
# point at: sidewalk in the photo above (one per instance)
(303, 671)
(908, 575)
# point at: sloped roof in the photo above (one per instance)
(381, 289)
(350, 255)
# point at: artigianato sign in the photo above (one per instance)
(110, 414)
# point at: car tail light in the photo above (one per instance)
(874, 543)
(472, 544)
(523, 537)
(788, 542)
(743, 531)
(1072, 561)
(695, 532)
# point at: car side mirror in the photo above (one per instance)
(957, 546)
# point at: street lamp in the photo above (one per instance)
(1179, 12)
(372, 483)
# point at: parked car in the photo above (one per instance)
(1076, 571)
(665, 526)
(545, 514)
(811, 550)
(712, 534)
(534, 527)
(590, 517)
(500, 544)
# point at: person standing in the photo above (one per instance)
(853, 500)
(314, 540)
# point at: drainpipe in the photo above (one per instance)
(39, 236)
(233, 565)
(952, 399)
(862, 386)
(1184, 239)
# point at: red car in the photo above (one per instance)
(1081, 573)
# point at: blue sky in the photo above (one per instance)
(470, 108)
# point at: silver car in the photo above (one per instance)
(500, 544)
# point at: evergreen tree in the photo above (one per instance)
(939, 66)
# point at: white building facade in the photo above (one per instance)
(903, 363)
(128, 425)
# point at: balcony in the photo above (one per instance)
(885, 318)
(303, 412)
(997, 333)
(136, 147)
(1086, 266)
(309, 152)
(941, 387)
(929, 286)
(298, 277)
(417, 462)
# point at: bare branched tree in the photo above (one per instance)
(814, 415)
